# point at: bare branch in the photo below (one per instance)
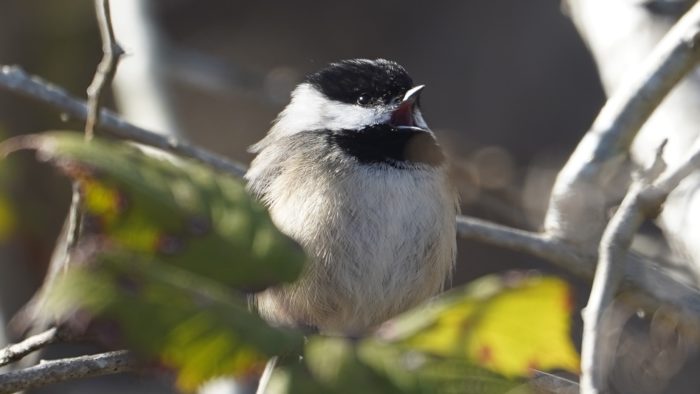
(540, 245)
(112, 52)
(641, 274)
(611, 266)
(577, 205)
(17, 351)
(103, 77)
(643, 200)
(55, 371)
(16, 80)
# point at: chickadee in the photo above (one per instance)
(351, 171)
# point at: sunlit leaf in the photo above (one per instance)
(188, 323)
(181, 213)
(508, 324)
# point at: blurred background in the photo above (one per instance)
(510, 91)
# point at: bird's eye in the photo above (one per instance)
(364, 99)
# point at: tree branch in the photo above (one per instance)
(112, 52)
(15, 80)
(577, 205)
(540, 245)
(50, 372)
(643, 200)
(17, 351)
(641, 274)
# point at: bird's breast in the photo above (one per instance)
(381, 240)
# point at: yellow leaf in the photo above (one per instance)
(509, 325)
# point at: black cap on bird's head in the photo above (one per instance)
(367, 109)
(371, 84)
(362, 81)
(351, 95)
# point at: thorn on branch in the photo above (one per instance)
(657, 166)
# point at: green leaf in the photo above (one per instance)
(336, 365)
(188, 323)
(179, 212)
(331, 365)
(510, 324)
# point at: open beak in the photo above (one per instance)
(403, 115)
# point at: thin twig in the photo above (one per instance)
(643, 200)
(577, 206)
(266, 376)
(14, 79)
(50, 372)
(111, 53)
(545, 383)
(18, 350)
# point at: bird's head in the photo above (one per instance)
(351, 95)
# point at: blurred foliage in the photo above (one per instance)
(176, 210)
(188, 323)
(165, 242)
(340, 365)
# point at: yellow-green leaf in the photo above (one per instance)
(508, 324)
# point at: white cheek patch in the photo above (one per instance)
(339, 116)
(311, 110)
